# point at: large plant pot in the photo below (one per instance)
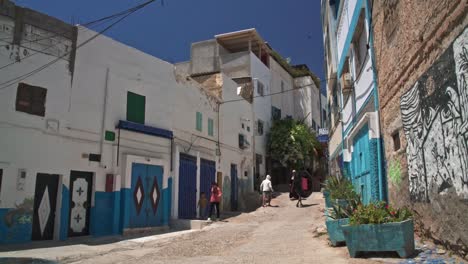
(328, 203)
(397, 237)
(335, 233)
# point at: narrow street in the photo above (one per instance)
(278, 234)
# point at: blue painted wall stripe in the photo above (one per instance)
(64, 213)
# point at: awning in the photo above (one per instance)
(144, 129)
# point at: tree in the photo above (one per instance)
(292, 143)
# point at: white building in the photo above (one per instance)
(273, 88)
(108, 139)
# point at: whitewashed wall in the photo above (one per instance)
(283, 101)
(261, 105)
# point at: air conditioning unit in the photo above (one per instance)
(347, 82)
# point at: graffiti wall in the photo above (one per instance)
(435, 121)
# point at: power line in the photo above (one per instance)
(13, 81)
(271, 94)
(90, 24)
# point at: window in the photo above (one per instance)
(275, 113)
(210, 127)
(260, 88)
(31, 99)
(324, 114)
(260, 127)
(136, 108)
(314, 125)
(282, 86)
(396, 141)
(199, 121)
(241, 141)
(258, 159)
(359, 46)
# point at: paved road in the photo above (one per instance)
(280, 234)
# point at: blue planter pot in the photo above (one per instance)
(335, 233)
(328, 203)
(397, 237)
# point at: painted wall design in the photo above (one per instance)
(435, 121)
(16, 223)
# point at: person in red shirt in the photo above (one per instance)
(215, 198)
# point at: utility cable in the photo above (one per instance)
(271, 94)
(13, 81)
(94, 23)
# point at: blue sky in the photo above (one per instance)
(292, 27)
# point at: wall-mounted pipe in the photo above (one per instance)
(103, 119)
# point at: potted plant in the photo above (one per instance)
(338, 216)
(329, 186)
(380, 227)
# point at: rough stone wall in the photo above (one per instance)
(212, 83)
(418, 46)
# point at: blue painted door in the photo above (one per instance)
(187, 187)
(146, 193)
(207, 176)
(361, 164)
(234, 188)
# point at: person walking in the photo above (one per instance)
(267, 190)
(292, 192)
(215, 199)
(297, 189)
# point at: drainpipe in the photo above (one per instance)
(381, 174)
(103, 120)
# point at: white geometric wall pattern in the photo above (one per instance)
(78, 212)
(44, 210)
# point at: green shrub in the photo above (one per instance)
(344, 210)
(340, 188)
(378, 213)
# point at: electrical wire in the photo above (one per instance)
(271, 94)
(90, 24)
(15, 80)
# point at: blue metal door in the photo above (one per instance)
(361, 164)
(187, 187)
(207, 176)
(146, 193)
(234, 189)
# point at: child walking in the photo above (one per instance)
(202, 203)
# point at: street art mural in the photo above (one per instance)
(435, 121)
